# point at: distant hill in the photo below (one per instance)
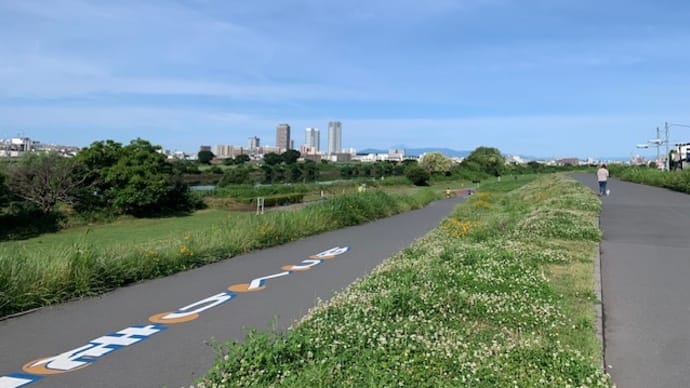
(418, 151)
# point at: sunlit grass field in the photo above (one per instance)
(90, 260)
(499, 295)
(129, 231)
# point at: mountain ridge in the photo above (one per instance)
(451, 153)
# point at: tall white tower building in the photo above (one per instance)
(334, 137)
(313, 139)
(254, 144)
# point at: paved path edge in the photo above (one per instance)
(599, 305)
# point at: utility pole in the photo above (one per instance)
(668, 162)
(658, 136)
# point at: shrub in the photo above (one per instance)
(417, 175)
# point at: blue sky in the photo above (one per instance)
(559, 78)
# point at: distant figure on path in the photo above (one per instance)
(602, 178)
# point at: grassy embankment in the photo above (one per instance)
(678, 180)
(500, 295)
(88, 261)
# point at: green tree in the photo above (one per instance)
(310, 171)
(235, 176)
(377, 170)
(272, 159)
(436, 163)
(100, 154)
(535, 166)
(398, 169)
(4, 191)
(205, 156)
(346, 171)
(364, 169)
(43, 180)
(417, 175)
(140, 181)
(242, 159)
(267, 169)
(388, 168)
(486, 159)
(294, 172)
(290, 156)
(96, 160)
(185, 166)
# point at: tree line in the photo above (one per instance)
(108, 179)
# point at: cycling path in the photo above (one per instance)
(158, 333)
(645, 278)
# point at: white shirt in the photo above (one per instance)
(602, 175)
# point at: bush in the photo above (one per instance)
(281, 199)
(678, 180)
(417, 175)
(235, 176)
(23, 222)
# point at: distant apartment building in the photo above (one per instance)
(225, 151)
(340, 157)
(18, 146)
(307, 150)
(267, 150)
(254, 144)
(15, 147)
(396, 154)
(568, 162)
(334, 137)
(283, 137)
(313, 139)
(205, 148)
(312, 157)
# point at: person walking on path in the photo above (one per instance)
(602, 178)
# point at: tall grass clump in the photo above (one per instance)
(677, 180)
(38, 277)
(491, 298)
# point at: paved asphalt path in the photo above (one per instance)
(645, 270)
(179, 354)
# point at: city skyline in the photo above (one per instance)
(571, 79)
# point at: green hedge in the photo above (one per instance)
(277, 199)
(678, 180)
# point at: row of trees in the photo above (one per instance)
(106, 177)
(137, 179)
(284, 168)
(271, 158)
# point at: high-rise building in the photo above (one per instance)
(254, 144)
(313, 139)
(334, 137)
(223, 151)
(283, 137)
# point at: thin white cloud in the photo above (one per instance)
(53, 77)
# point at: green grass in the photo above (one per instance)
(88, 261)
(130, 231)
(678, 180)
(499, 295)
